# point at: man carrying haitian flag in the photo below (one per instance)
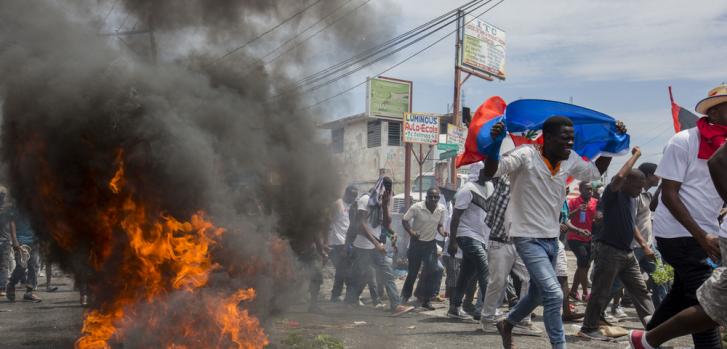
(539, 174)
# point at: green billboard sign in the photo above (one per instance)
(388, 98)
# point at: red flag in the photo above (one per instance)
(492, 108)
(683, 119)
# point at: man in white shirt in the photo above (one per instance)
(336, 240)
(686, 225)
(470, 233)
(711, 311)
(538, 176)
(423, 222)
(369, 251)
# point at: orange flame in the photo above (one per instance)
(166, 255)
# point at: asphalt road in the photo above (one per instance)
(56, 323)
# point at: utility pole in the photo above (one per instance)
(456, 120)
(458, 82)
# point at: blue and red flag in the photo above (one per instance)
(595, 132)
(485, 117)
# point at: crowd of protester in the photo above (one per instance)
(502, 239)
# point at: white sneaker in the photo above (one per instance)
(488, 325)
(618, 312)
(379, 306)
(458, 313)
(526, 328)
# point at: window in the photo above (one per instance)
(337, 140)
(394, 133)
(373, 134)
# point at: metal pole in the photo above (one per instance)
(407, 175)
(456, 105)
(421, 164)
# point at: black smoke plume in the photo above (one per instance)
(190, 131)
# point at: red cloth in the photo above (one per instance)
(573, 204)
(711, 137)
(492, 108)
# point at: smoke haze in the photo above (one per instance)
(193, 133)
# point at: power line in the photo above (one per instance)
(377, 59)
(231, 52)
(312, 26)
(371, 52)
(403, 61)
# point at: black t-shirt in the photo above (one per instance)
(618, 219)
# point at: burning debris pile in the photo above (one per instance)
(172, 190)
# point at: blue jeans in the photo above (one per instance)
(421, 254)
(539, 256)
(363, 260)
(474, 264)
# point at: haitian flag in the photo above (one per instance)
(488, 114)
(683, 119)
(595, 132)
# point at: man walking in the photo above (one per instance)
(502, 259)
(469, 232)
(582, 211)
(686, 225)
(613, 256)
(711, 311)
(643, 224)
(427, 216)
(336, 240)
(368, 250)
(538, 175)
(27, 259)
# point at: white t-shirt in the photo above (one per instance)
(537, 195)
(447, 216)
(643, 219)
(361, 241)
(680, 164)
(472, 221)
(339, 223)
(423, 221)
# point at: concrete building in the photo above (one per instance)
(365, 147)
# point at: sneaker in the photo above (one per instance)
(427, 306)
(10, 292)
(636, 338)
(574, 296)
(361, 303)
(379, 306)
(458, 313)
(594, 335)
(526, 328)
(51, 289)
(618, 312)
(31, 297)
(402, 309)
(488, 325)
(573, 316)
(468, 307)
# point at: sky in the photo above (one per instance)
(617, 57)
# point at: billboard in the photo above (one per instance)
(483, 47)
(388, 98)
(456, 135)
(421, 128)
